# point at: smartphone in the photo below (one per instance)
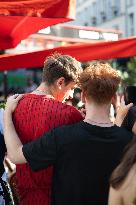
(130, 95)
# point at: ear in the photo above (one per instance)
(60, 82)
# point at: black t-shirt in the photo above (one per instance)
(83, 156)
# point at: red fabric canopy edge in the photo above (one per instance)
(38, 8)
(82, 52)
(20, 18)
(24, 26)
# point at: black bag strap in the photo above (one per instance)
(2, 170)
(6, 192)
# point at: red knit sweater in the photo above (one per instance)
(35, 115)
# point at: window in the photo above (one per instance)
(103, 16)
(131, 24)
(85, 24)
(130, 2)
(115, 11)
(94, 20)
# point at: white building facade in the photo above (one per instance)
(117, 14)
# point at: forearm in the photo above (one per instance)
(122, 111)
(13, 143)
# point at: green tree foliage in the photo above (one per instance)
(129, 76)
(2, 105)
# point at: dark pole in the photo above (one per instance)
(5, 83)
(5, 79)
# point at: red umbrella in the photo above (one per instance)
(82, 52)
(20, 18)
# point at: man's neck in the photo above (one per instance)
(43, 88)
(97, 113)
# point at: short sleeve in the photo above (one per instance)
(41, 153)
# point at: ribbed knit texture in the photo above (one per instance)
(34, 116)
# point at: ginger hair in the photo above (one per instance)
(100, 82)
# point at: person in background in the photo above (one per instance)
(39, 112)
(130, 120)
(126, 116)
(83, 154)
(31, 86)
(123, 179)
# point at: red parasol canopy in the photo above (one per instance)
(20, 18)
(82, 52)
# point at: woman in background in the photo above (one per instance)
(123, 179)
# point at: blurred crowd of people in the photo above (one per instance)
(30, 86)
(67, 137)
